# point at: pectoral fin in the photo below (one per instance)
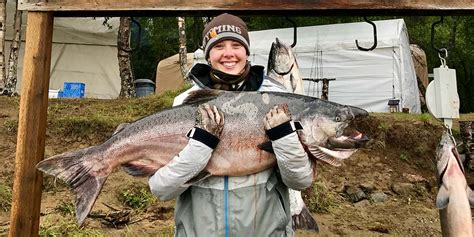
(266, 146)
(442, 199)
(316, 152)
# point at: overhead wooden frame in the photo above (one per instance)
(262, 7)
(27, 185)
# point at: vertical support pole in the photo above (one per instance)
(325, 90)
(27, 186)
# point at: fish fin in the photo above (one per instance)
(318, 154)
(305, 221)
(442, 199)
(201, 176)
(120, 127)
(266, 146)
(470, 196)
(70, 167)
(141, 168)
(201, 96)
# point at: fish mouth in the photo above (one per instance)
(339, 148)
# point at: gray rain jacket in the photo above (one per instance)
(252, 205)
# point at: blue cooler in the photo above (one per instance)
(73, 90)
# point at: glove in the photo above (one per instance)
(212, 119)
(277, 115)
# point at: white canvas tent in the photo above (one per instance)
(84, 50)
(364, 79)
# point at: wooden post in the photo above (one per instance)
(27, 186)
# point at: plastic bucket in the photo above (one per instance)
(144, 87)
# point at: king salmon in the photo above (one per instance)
(455, 199)
(144, 146)
(283, 67)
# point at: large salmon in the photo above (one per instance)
(455, 199)
(150, 143)
(283, 67)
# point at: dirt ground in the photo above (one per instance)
(397, 163)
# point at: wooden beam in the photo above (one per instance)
(27, 186)
(252, 6)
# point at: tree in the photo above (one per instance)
(3, 17)
(127, 89)
(12, 77)
(160, 39)
(183, 56)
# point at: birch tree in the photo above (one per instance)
(12, 77)
(127, 89)
(3, 19)
(183, 55)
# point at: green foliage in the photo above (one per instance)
(66, 208)
(383, 127)
(51, 228)
(321, 199)
(404, 156)
(425, 117)
(160, 40)
(5, 197)
(136, 197)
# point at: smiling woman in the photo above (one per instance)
(232, 204)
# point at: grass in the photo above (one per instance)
(404, 156)
(5, 197)
(321, 199)
(83, 117)
(66, 208)
(10, 127)
(67, 227)
(136, 196)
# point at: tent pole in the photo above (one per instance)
(27, 185)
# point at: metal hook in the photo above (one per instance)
(294, 32)
(375, 37)
(139, 37)
(439, 50)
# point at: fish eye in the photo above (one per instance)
(338, 118)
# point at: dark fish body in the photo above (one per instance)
(283, 67)
(455, 199)
(148, 144)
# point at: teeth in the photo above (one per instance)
(229, 64)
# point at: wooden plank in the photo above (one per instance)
(252, 6)
(27, 186)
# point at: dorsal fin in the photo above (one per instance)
(201, 96)
(120, 127)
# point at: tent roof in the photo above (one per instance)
(78, 30)
(330, 37)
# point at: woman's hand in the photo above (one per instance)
(277, 115)
(212, 119)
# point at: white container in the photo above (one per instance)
(53, 93)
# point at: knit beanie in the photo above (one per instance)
(222, 27)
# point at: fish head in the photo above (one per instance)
(326, 131)
(446, 151)
(281, 58)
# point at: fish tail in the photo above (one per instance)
(72, 168)
(305, 221)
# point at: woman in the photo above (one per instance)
(253, 205)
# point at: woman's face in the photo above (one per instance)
(228, 56)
